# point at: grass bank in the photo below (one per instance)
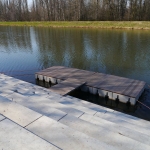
(84, 24)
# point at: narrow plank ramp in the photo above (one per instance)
(67, 86)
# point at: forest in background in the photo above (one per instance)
(75, 10)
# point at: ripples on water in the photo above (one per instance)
(25, 50)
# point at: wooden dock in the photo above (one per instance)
(115, 87)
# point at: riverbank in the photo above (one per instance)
(32, 117)
(85, 24)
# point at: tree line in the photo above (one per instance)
(75, 10)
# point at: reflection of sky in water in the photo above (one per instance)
(119, 52)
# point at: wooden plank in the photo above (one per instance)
(66, 86)
(134, 89)
(96, 79)
(110, 83)
(61, 89)
(53, 68)
(115, 84)
(73, 82)
(82, 75)
(59, 73)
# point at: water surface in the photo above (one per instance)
(25, 50)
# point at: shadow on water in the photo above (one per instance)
(138, 110)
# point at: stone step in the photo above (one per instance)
(126, 122)
(115, 127)
(40, 105)
(132, 119)
(1, 117)
(15, 137)
(48, 129)
(69, 102)
(87, 104)
(58, 111)
(65, 137)
(102, 134)
(6, 92)
(41, 102)
(44, 108)
(17, 113)
(106, 112)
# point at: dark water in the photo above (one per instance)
(25, 50)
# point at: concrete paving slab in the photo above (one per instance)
(14, 137)
(16, 97)
(26, 92)
(66, 101)
(5, 92)
(131, 133)
(54, 104)
(132, 119)
(65, 137)
(88, 104)
(33, 88)
(113, 118)
(17, 113)
(44, 109)
(4, 99)
(67, 109)
(7, 86)
(101, 134)
(1, 117)
(81, 108)
(44, 106)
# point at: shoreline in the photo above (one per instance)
(131, 25)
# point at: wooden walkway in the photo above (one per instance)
(67, 86)
(96, 83)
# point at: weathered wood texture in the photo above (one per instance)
(111, 83)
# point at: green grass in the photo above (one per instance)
(84, 24)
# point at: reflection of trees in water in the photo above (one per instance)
(60, 47)
(15, 39)
(116, 52)
(120, 52)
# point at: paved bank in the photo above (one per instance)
(31, 115)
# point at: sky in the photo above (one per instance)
(29, 2)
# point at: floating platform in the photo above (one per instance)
(110, 86)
